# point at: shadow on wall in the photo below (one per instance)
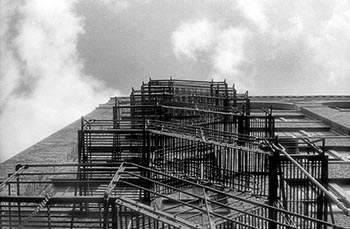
(273, 105)
(341, 106)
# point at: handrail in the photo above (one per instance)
(115, 178)
(231, 196)
(199, 110)
(205, 106)
(13, 175)
(202, 131)
(330, 195)
(313, 145)
(36, 210)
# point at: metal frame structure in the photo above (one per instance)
(176, 154)
(134, 196)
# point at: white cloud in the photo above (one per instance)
(222, 47)
(228, 51)
(9, 69)
(332, 43)
(193, 37)
(275, 47)
(43, 86)
(253, 11)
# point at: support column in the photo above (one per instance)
(105, 211)
(241, 129)
(273, 188)
(322, 202)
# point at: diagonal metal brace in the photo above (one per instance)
(156, 214)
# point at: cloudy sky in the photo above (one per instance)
(60, 58)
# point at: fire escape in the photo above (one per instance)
(176, 154)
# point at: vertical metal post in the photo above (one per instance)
(247, 120)
(146, 161)
(217, 94)
(247, 106)
(80, 160)
(271, 124)
(9, 204)
(324, 147)
(273, 187)
(226, 99)
(48, 216)
(105, 211)
(171, 90)
(132, 104)
(115, 135)
(322, 202)
(241, 129)
(115, 113)
(234, 96)
(80, 143)
(18, 166)
(114, 216)
(270, 127)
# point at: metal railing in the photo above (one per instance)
(178, 201)
(176, 154)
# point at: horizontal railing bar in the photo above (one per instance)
(54, 200)
(196, 139)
